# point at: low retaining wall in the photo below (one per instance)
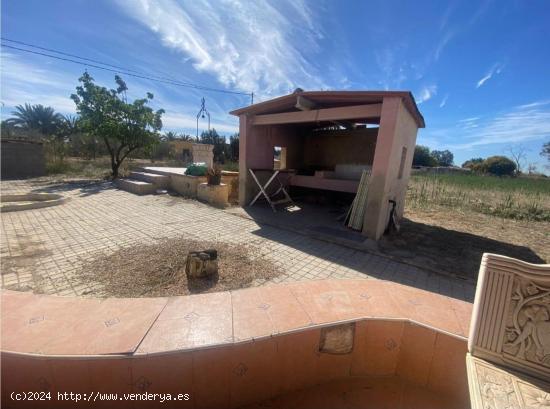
(18, 202)
(233, 348)
(186, 185)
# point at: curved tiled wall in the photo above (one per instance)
(233, 348)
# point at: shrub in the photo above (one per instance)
(499, 166)
(422, 156)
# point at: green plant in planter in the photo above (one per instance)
(214, 175)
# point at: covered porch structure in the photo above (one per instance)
(324, 140)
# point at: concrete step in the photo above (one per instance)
(138, 187)
(160, 181)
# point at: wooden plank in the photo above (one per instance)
(359, 203)
(319, 115)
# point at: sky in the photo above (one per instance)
(479, 70)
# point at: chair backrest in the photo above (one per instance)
(511, 316)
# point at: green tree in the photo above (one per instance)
(545, 152)
(443, 158)
(234, 147)
(499, 166)
(220, 147)
(36, 118)
(124, 127)
(475, 164)
(423, 157)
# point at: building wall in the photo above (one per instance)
(405, 136)
(326, 149)
(22, 159)
(397, 131)
(256, 149)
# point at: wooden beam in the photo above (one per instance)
(304, 104)
(320, 115)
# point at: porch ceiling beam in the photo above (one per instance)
(304, 104)
(320, 115)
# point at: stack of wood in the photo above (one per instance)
(356, 214)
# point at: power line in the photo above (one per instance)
(120, 70)
(67, 54)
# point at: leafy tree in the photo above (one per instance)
(474, 164)
(124, 127)
(37, 118)
(234, 147)
(422, 156)
(499, 166)
(220, 147)
(545, 152)
(443, 158)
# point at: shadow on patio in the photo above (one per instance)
(410, 257)
(86, 187)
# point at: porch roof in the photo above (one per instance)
(331, 99)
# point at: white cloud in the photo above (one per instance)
(495, 70)
(444, 101)
(521, 123)
(250, 46)
(23, 82)
(427, 93)
(445, 39)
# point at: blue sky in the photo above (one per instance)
(480, 70)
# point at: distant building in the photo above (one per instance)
(22, 158)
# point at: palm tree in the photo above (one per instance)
(170, 136)
(36, 117)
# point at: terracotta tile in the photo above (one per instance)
(29, 335)
(448, 370)
(114, 326)
(415, 357)
(110, 375)
(255, 372)
(250, 316)
(415, 397)
(211, 377)
(324, 301)
(427, 308)
(201, 304)
(463, 312)
(26, 374)
(14, 302)
(190, 322)
(376, 349)
(70, 375)
(332, 366)
(363, 393)
(375, 393)
(124, 326)
(371, 299)
(163, 374)
(285, 311)
(298, 355)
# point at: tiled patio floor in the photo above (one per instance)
(43, 249)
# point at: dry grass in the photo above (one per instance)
(519, 198)
(454, 240)
(159, 269)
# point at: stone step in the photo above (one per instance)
(138, 187)
(160, 181)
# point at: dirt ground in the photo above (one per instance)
(158, 270)
(453, 241)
